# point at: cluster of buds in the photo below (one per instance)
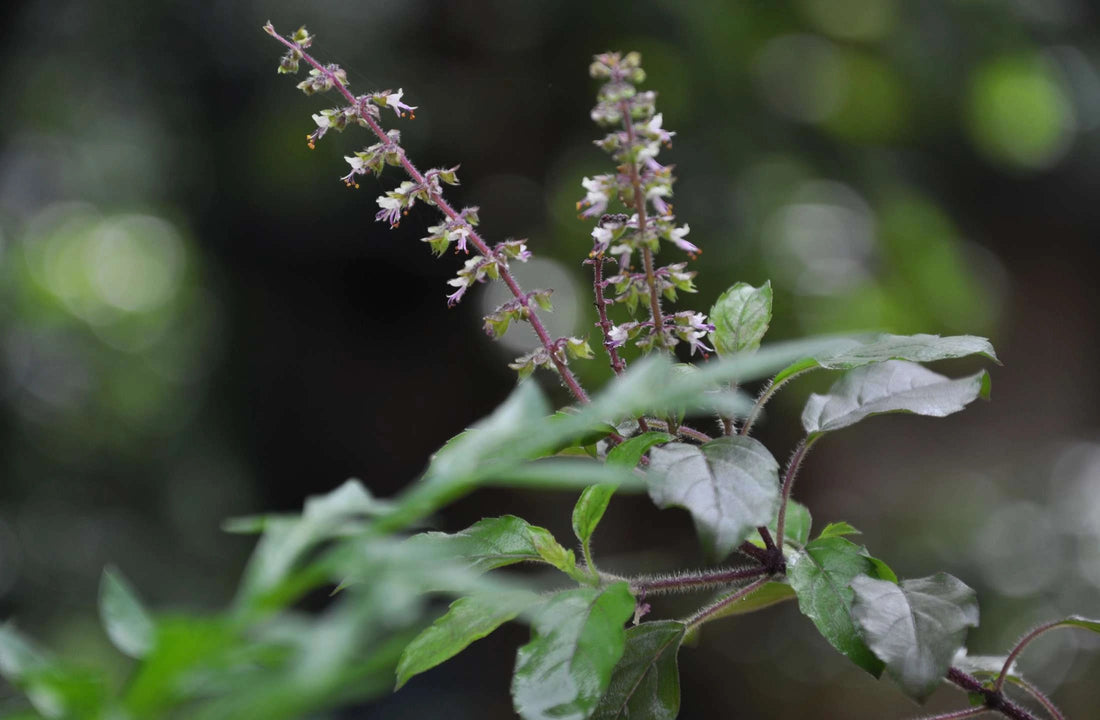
(643, 186)
(497, 322)
(480, 268)
(687, 326)
(560, 351)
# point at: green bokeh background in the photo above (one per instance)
(197, 320)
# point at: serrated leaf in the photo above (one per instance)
(468, 619)
(646, 683)
(838, 529)
(127, 623)
(820, 575)
(487, 544)
(629, 452)
(589, 510)
(578, 638)
(729, 485)
(847, 354)
(740, 317)
(915, 627)
(890, 387)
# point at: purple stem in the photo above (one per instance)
(700, 580)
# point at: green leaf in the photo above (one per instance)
(578, 638)
(890, 387)
(848, 353)
(646, 683)
(729, 485)
(552, 552)
(467, 620)
(837, 529)
(629, 452)
(487, 544)
(741, 316)
(915, 627)
(820, 575)
(127, 623)
(589, 510)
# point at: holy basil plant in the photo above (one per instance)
(597, 647)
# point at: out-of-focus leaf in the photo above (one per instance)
(729, 485)
(561, 473)
(123, 616)
(821, 575)
(629, 452)
(982, 665)
(578, 637)
(847, 354)
(55, 690)
(467, 620)
(286, 539)
(740, 317)
(915, 627)
(646, 683)
(890, 387)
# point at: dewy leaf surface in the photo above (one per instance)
(847, 354)
(729, 485)
(820, 575)
(890, 387)
(468, 619)
(578, 638)
(646, 683)
(915, 627)
(124, 619)
(740, 317)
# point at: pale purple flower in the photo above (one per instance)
(677, 238)
(391, 210)
(393, 100)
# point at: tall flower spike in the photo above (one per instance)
(643, 186)
(457, 227)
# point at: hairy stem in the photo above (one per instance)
(766, 394)
(1020, 645)
(684, 582)
(788, 483)
(617, 363)
(704, 614)
(566, 374)
(994, 699)
(1037, 695)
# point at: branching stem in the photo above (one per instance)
(994, 699)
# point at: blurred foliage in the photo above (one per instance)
(929, 165)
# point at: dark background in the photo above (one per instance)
(197, 320)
